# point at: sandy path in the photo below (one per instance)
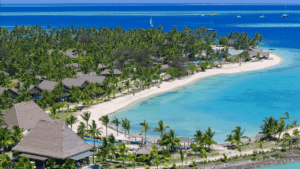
(116, 104)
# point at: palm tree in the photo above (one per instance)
(24, 162)
(145, 129)
(287, 117)
(86, 117)
(296, 132)
(17, 134)
(170, 140)
(5, 138)
(295, 123)
(117, 123)
(105, 121)
(161, 128)
(104, 150)
(95, 132)
(269, 128)
(71, 120)
(208, 137)
(5, 162)
(81, 130)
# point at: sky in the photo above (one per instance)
(144, 1)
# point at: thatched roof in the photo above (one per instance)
(12, 92)
(25, 114)
(48, 85)
(164, 67)
(106, 72)
(185, 140)
(153, 139)
(100, 66)
(75, 82)
(92, 79)
(69, 52)
(143, 150)
(29, 88)
(5, 73)
(72, 65)
(167, 77)
(52, 139)
(136, 135)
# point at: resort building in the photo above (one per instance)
(25, 115)
(116, 72)
(164, 67)
(49, 85)
(35, 91)
(5, 73)
(71, 53)
(51, 139)
(92, 79)
(102, 67)
(11, 92)
(69, 82)
(74, 65)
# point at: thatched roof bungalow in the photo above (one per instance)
(117, 72)
(81, 83)
(12, 93)
(49, 85)
(92, 79)
(51, 139)
(164, 67)
(25, 115)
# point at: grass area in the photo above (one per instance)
(255, 146)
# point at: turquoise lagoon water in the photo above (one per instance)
(294, 165)
(223, 102)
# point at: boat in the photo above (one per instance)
(238, 16)
(196, 14)
(210, 29)
(202, 15)
(151, 22)
(284, 15)
(263, 16)
(213, 12)
(271, 49)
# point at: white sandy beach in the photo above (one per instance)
(116, 104)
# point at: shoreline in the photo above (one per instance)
(114, 105)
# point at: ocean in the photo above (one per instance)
(221, 102)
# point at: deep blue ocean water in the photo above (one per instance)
(221, 102)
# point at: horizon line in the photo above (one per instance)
(148, 3)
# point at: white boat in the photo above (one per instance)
(210, 29)
(263, 16)
(284, 15)
(202, 15)
(213, 12)
(238, 16)
(151, 22)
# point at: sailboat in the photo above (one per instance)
(284, 15)
(263, 16)
(151, 22)
(210, 29)
(213, 12)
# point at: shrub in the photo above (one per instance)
(265, 156)
(253, 158)
(295, 147)
(166, 153)
(281, 156)
(147, 166)
(276, 155)
(225, 158)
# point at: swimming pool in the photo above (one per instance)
(97, 143)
